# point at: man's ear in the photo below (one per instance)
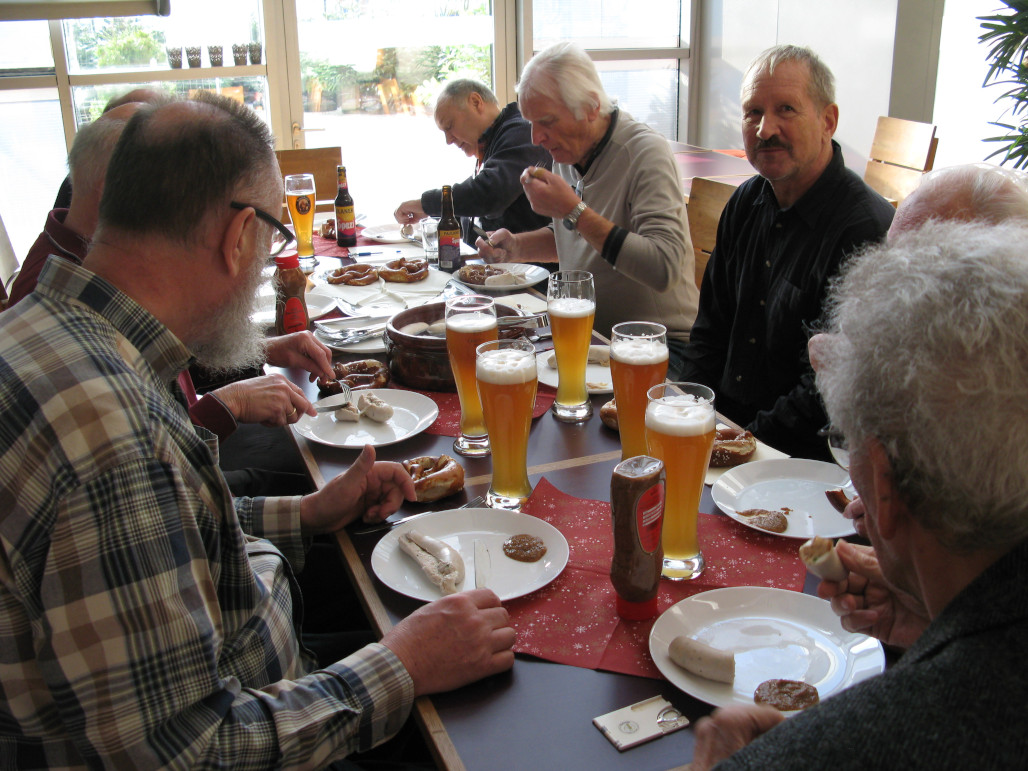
(237, 240)
(830, 116)
(475, 102)
(890, 510)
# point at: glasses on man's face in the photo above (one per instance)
(837, 445)
(277, 245)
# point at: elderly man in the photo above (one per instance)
(469, 116)
(927, 346)
(782, 236)
(148, 618)
(614, 196)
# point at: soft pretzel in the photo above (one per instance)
(404, 271)
(366, 373)
(435, 477)
(473, 273)
(353, 275)
(609, 414)
(732, 446)
(328, 228)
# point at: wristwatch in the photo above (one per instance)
(571, 220)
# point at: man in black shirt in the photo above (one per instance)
(782, 236)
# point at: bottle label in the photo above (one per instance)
(649, 512)
(345, 220)
(294, 315)
(449, 249)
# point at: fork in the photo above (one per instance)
(347, 395)
(474, 503)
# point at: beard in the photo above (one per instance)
(234, 341)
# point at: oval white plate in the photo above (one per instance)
(318, 304)
(385, 234)
(460, 528)
(794, 483)
(774, 633)
(412, 414)
(533, 275)
(594, 373)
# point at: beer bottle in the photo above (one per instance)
(449, 235)
(346, 225)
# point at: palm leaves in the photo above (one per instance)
(1007, 33)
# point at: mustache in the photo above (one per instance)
(765, 144)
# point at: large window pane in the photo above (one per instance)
(611, 23)
(370, 74)
(25, 48)
(649, 90)
(33, 158)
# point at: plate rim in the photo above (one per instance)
(391, 538)
(384, 228)
(506, 289)
(719, 489)
(663, 662)
(591, 391)
(425, 421)
(377, 341)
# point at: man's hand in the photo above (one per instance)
(454, 641)
(548, 193)
(270, 400)
(301, 349)
(728, 730)
(369, 489)
(502, 246)
(409, 212)
(867, 603)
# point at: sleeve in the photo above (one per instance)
(129, 645)
(211, 413)
(656, 249)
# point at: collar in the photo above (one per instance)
(66, 282)
(63, 239)
(812, 202)
(584, 168)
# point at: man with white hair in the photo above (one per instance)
(614, 196)
(924, 369)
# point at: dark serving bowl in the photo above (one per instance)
(421, 361)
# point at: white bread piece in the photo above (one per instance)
(501, 279)
(374, 408)
(443, 565)
(821, 559)
(347, 413)
(703, 660)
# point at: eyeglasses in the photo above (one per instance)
(837, 445)
(276, 246)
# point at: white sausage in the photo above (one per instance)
(821, 559)
(443, 565)
(703, 660)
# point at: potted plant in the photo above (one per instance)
(1007, 34)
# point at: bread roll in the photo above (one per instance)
(821, 559)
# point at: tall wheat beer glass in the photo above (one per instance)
(300, 198)
(680, 431)
(638, 361)
(507, 381)
(470, 321)
(571, 305)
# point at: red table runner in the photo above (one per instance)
(448, 422)
(573, 620)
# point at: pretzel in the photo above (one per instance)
(473, 273)
(732, 446)
(404, 271)
(353, 275)
(366, 373)
(435, 477)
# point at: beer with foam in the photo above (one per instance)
(300, 199)
(638, 361)
(470, 321)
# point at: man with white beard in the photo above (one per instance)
(147, 617)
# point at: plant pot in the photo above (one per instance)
(175, 58)
(216, 55)
(255, 53)
(239, 52)
(193, 55)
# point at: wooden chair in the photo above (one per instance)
(319, 161)
(9, 265)
(707, 200)
(901, 152)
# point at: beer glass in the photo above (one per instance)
(680, 431)
(571, 305)
(638, 361)
(300, 197)
(470, 321)
(507, 380)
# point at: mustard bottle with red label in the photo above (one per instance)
(637, 509)
(290, 301)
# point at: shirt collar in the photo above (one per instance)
(583, 169)
(70, 244)
(157, 345)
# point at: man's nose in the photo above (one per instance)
(767, 127)
(538, 135)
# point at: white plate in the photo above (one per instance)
(373, 344)
(533, 275)
(412, 414)
(774, 633)
(794, 483)
(385, 234)
(594, 373)
(460, 528)
(318, 304)
(387, 297)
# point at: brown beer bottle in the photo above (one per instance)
(449, 235)
(346, 224)
(291, 313)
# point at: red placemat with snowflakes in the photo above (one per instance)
(448, 422)
(573, 620)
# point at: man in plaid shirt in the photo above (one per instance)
(147, 618)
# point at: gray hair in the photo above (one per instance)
(976, 191)
(820, 86)
(565, 73)
(91, 151)
(461, 89)
(928, 353)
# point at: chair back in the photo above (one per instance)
(707, 200)
(8, 264)
(901, 152)
(319, 161)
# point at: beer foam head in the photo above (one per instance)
(505, 367)
(570, 307)
(638, 350)
(471, 322)
(680, 415)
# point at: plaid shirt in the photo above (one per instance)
(146, 618)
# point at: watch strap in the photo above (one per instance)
(571, 220)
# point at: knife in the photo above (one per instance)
(482, 564)
(483, 234)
